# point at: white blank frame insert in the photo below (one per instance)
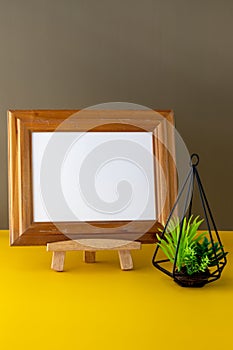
(94, 176)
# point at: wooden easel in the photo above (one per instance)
(89, 248)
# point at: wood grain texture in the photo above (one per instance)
(89, 257)
(93, 245)
(13, 186)
(126, 261)
(24, 177)
(58, 260)
(21, 124)
(89, 248)
(166, 178)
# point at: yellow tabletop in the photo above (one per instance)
(98, 306)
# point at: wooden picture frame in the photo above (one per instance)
(21, 125)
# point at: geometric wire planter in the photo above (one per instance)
(192, 183)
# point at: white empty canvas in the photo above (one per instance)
(93, 176)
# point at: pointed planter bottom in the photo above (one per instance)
(198, 279)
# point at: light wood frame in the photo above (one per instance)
(21, 124)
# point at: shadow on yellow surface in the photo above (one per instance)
(98, 306)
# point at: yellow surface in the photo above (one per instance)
(98, 306)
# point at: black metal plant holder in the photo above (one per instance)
(192, 181)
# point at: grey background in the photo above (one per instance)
(163, 54)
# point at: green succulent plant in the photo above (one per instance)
(196, 253)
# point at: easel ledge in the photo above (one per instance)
(90, 247)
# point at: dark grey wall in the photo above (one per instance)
(160, 53)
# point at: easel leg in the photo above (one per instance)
(58, 260)
(125, 258)
(89, 257)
